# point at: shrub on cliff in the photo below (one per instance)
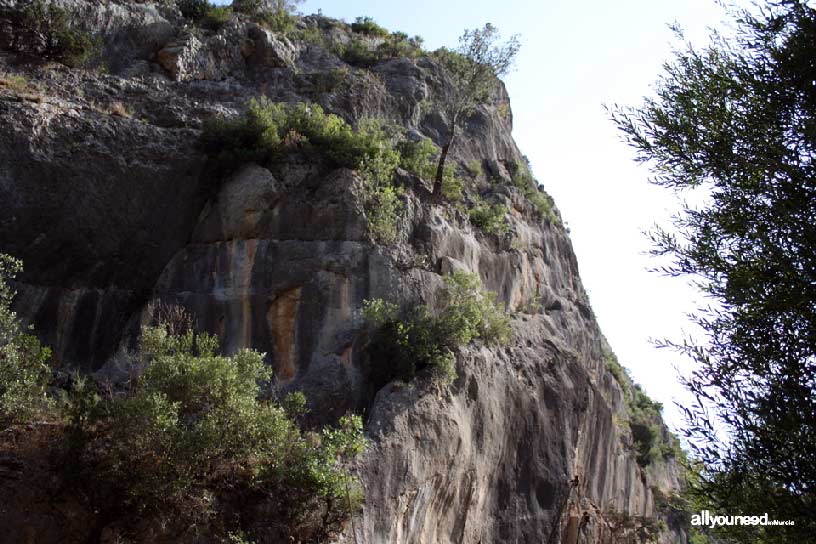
(192, 425)
(193, 9)
(398, 45)
(490, 219)
(277, 15)
(644, 423)
(643, 418)
(419, 157)
(48, 31)
(267, 130)
(367, 26)
(24, 374)
(524, 180)
(204, 13)
(363, 51)
(421, 339)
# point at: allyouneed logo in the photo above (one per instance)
(705, 519)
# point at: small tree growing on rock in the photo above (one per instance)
(473, 67)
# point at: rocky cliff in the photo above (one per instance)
(109, 201)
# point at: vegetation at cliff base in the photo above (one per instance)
(735, 121)
(24, 373)
(192, 422)
(404, 343)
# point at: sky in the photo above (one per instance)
(575, 57)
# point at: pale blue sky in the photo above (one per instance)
(575, 57)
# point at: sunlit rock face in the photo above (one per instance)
(113, 212)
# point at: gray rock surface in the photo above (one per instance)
(106, 198)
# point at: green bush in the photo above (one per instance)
(277, 15)
(490, 219)
(367, 26)
(281, 22)
(419, 157)
(643, 418)
(205, 14)
(399, 45)
(383, 207)
(193, 9)
(421, 339)
(644, 422)
(312, 35)
(451, 185)
(618, 372)
(468, 313)
(266, 129)
(63, 41)
(474, 168)
(378, 312)
(523, 179)
(335, 80)
(193, 417)
(216, 17)
(360, 51)
(24, 374)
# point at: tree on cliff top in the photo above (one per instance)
(473, 67)
(738, 120)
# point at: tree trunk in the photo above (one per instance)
(440, 169)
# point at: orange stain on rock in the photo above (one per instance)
(282, 320)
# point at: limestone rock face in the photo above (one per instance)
(194, 56)
(107, 199)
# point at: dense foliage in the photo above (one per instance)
(364, 51)
(489, 218)
(24, 374)
(523, 179)
(736, 121)
(191, 426)
(268, 129)
(402, 345)
(204, 13)
(367, 26)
